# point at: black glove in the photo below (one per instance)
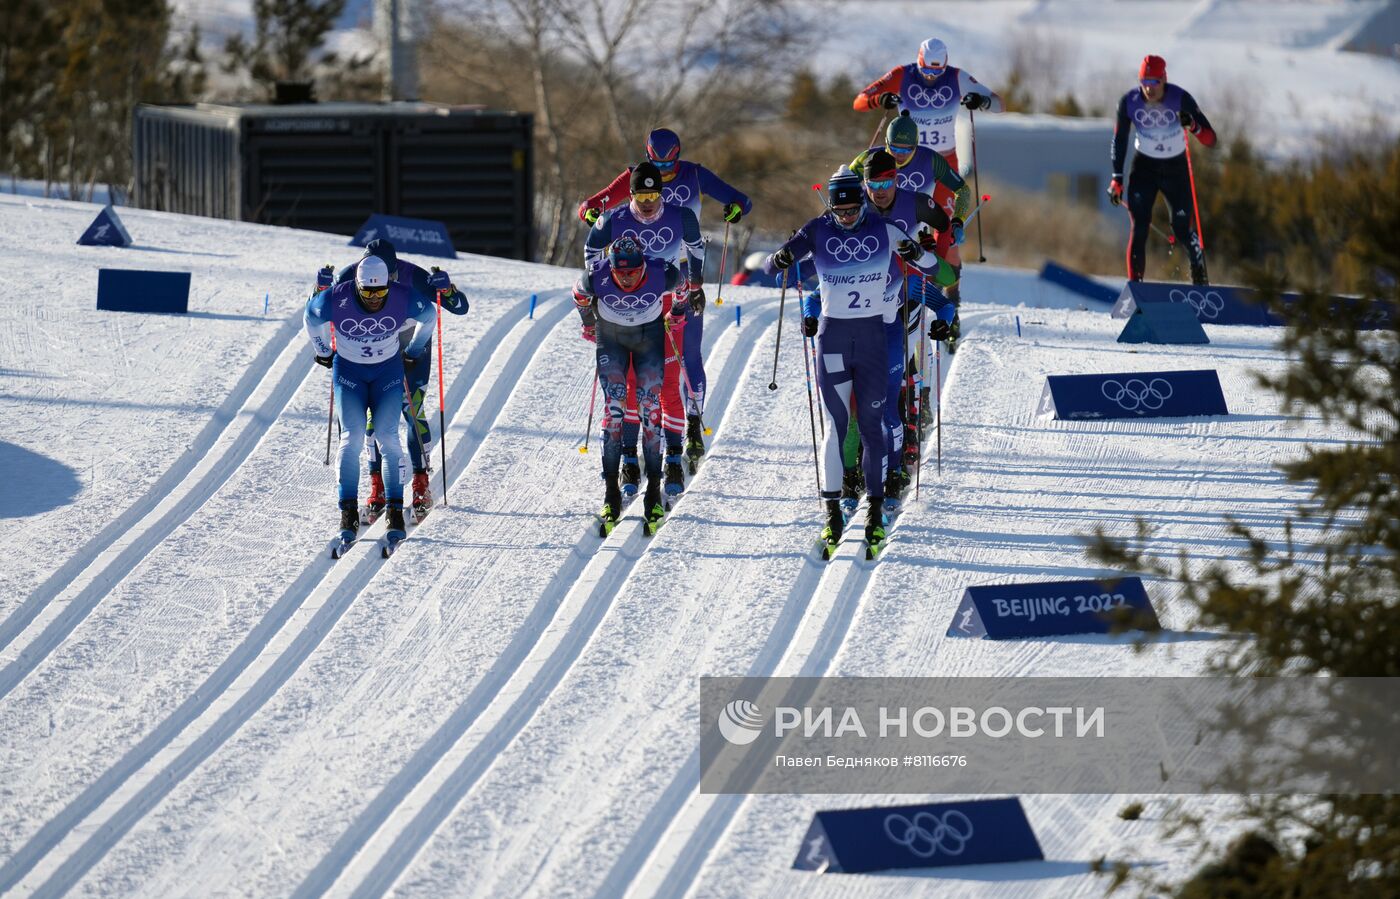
(324, 361)
(1115, 189)
(939, 330)
(976, 101)
(733, 212)
(696, 298)
(809, 326)
(908, 250)
(887, 100)
(783, 258)
(1186, 120)
(678, 308)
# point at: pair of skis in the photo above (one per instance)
(827, 546)
(387, 545)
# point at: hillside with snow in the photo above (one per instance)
(196, 700)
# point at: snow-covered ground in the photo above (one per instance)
(194, 700)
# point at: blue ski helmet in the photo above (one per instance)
(625, 255)
(663, 148)
(384, 250)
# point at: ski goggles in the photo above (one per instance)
(931, 72)
(647, 196)
(900, 151)
(880, 184)
(846, 212)
(1150, 82)
(664, 165)
(374, 293)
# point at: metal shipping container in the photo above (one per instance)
(329, 166)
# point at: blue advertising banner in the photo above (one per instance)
(933, 835)
(1080, 284)
(130, 290)
(1224, 305)
(1163, 323)
(1052, 608)
(418, 236)
(1139, 394)
(106, 230)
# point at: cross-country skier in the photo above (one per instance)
(621, 303)
(367, 365)
(672, 233)
(427, 286)
(683, 183)
(852, 247)
(1160, 115)
(930, 90)
(915, 214)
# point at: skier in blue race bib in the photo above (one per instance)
(1160, 115)
(367, 316)
(683, 183)
(916, 214)
(670, 232)
(853, 248)
(427, 286)
(622, 303)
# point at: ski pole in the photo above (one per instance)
(878, 128)
(723, 260)
(1191, 175)
(938, 401)
(442, 405)
(812, 418)
(919, 389)
(985, 199)
(331, 417)
(782, 304)
(972, 117)
(592, 405)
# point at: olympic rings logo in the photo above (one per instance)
(911, 180)
(630, 302)
(369, 327)
(926, 834)
(678, 195)
(655, 241)
(1210, 304)
(1137, 394)
(1154, 118)
(924, 98)
(852, 249)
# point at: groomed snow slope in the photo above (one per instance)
(196, 701)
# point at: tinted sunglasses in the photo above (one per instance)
(1151, 82)
(374, 293)
(647, 196)
(881, 184)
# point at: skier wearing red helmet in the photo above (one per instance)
(1160, 114)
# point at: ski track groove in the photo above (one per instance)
(326, 587)
(841, 586)
(602, 575)
(119, 547)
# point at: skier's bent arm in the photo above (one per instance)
(694, 243)
(889, 83)
(969, 85)
(425, 317)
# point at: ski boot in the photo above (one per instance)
(374, 506)
(631, 476)
(874, 530)
(835, 524)
(396, 532)
(955, 331)
(654, 511)
(675, 476)
(895, 483)
(694, 441)
(852, 487)
(349, 527)
(925, 409)
(422, 495)
(612, 506)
